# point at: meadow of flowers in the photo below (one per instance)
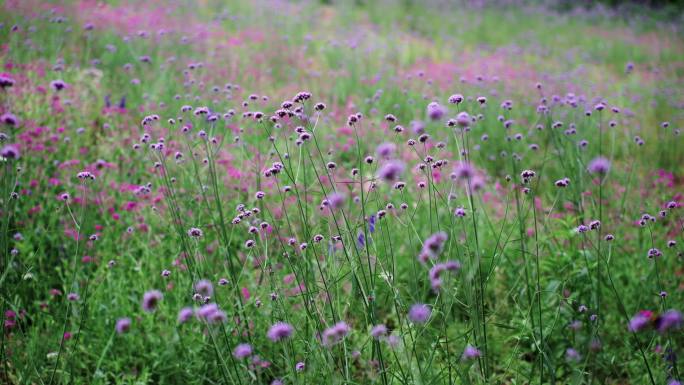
(368, 192)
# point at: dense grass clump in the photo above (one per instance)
(384, 192)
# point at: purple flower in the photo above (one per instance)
(434, 245)
(470, 353)
(599, 166)
(195, 232)
(463, 171)
(652, 253)
(57, 85)
(10, 151)
(671, 319)
(391, 171)
(204, 287)
(419, 313)
(463, 119)
(360, 239)
(242, 351)
(378, 331)
(300, 366)
(123, 325)
(185, 314)
(280, 331)
(335, 333)
(6, 81)
(386, 149)
(435, 111)
(151, 300)
(572, 355)
(455, 98)
(211, 313)
(9, 119)
(336, 200)
(640, 321)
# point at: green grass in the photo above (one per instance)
(525, 270)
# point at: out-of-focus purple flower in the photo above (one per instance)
(280, 331)
(434, 245)
(211, 313)
(640, 321)
(336, 200)
(470, 353)
(185, 314)
(195, 232)
(671, 319)
(419, 313)
(9, 119)
(378, 331)
(435, 111)
(10, 151)
(151, 300)
(391, 171)
(463, 119)
(204, 287)
(572, 355)
(599, 166)
(57, 85)
(335, 333)
(386, 150)
(242, 351)
(123, 325)
(360, 239)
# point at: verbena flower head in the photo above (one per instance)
(335, 333)
(391, 171)
(151, 299)
(671, 319)
(599, 166)
(242, 351)
(123, 325)
(204, 287)
(572, 355)
(419, 313)
(435, 111)
(280, 331)
(336, 200)
(378, 331)
(185, 314)
(386, 150)
(470, 353)
(10, 151)
(434, 245)
(194, 232)
(640, 321)
(211, 313)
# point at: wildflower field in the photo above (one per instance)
(340, 192)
